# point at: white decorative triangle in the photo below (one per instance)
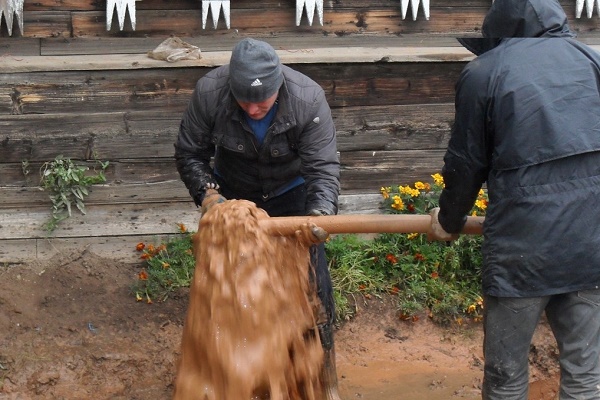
(589, 7)
(310, 6)
(215, 7)
(9, 8)
(414, 4)
(121, 6)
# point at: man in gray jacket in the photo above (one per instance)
(271, 133)
(528, 124)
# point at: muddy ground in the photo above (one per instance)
(71, 329)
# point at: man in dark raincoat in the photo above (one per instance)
(528, 124)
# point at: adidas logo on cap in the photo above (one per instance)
(257, 82)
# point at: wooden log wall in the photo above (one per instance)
(70, 87)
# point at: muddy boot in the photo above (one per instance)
(328, 373)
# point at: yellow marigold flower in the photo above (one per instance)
(385, 192)
(481, 204)
(471, 309)
(412, 236)
(481, 193)
(166, 265)
(138, 297)
(419, 185)
(438, 179)
(398, 203)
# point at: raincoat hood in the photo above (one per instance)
(522, 19)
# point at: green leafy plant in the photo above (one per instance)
(68, 184)
(167, 267)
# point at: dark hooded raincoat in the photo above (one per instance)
(528, 124)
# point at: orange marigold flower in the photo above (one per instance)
(166, 265)
(435, 275)
(394, 290)
(419, 257)
(411, 208)
(182, 228)
(145, 256)
(140, 246)
(143, 275)
(151, 249)
(391, 258)
(361, 287)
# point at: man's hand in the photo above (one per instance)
(312, 233)
(211, 197)
(436, 232)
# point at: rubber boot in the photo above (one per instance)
(329, 379)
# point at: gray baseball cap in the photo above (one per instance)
(254, 71)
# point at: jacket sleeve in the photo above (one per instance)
(466, 162)
(194, 147)
(320, 166)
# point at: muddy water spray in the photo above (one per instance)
(250, 326)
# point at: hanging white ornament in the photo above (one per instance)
(589, 7)
(10, 8)
(414, 5)
(310, 6)
(215, 7)
(122, 6)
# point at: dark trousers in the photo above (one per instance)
(293, 203)
(509, 325)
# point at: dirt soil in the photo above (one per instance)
(71, 329)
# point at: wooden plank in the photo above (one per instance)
(352, 55)
(225, 42)
(110, 220)
(121, 245)
(361, 171)
(248, 21)
(345, 84)
(15, 47)
(396, 127)
(117, 136)
(132, 219)
(110, 193)
(367, 171)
